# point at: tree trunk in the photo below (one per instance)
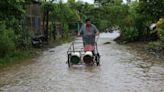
(46, 26)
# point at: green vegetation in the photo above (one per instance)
(160, 30)
(12, 36)
(6, 40)
(136, 20)
(15, 57)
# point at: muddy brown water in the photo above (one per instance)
(121, 70)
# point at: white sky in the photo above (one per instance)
(89, 1)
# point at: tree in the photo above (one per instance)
(11, 8)
(102, 2)
(46, 8)
(152, 8)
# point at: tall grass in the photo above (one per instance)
(15, 57)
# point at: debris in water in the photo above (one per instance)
(107, 43)
(52, 51)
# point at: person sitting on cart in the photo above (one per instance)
(88, 32)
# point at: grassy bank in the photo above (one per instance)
(16, 57)
(22, 55)
(143, 48)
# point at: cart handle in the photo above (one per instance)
(97, 38)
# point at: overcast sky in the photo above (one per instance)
(89, 1)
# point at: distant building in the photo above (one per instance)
(33, 17)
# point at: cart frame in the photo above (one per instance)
(73, 49)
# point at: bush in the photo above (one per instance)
(16, 57)
(160, 23)
(103, 24)
(6, 41)
(129, 34)
(160, 30)
(161, 34)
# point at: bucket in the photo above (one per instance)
(88, 47)
(75, 58)
(88, 57)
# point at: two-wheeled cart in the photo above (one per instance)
(78, 53)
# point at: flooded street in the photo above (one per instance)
(122, 70)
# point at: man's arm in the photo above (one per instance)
(78, 34)
(81, 30)
(96, 30)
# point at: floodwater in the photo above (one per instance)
(122, 69)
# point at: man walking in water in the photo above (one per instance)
(88, 32)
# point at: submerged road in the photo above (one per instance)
(121, 70)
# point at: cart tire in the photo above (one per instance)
(97, 59)
(68, 61)
(69, 65)
(97, 63)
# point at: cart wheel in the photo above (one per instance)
(68, 61)
(97, 59)
(97, 63)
